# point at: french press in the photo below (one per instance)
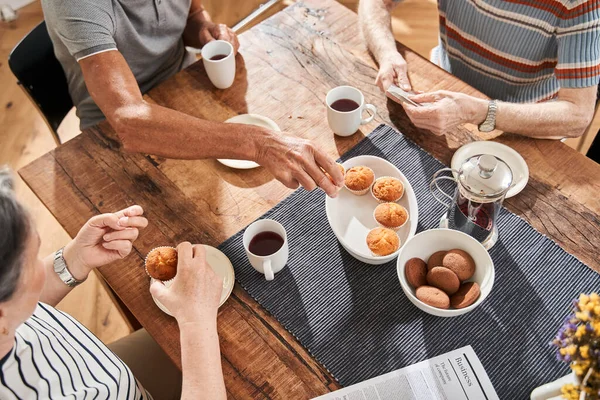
(481, 185)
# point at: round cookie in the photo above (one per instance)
(466, 295)
(415, 270)
(435, 260)
(433, 296)
(444, 279)
(460, 262)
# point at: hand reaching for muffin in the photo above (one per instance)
(193, 296)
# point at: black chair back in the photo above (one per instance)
(40, 74)
(594, 151)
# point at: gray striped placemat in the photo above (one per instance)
(356, 321)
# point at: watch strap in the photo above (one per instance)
(61, 269)
(490, 121)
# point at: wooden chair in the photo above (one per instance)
(41, 77)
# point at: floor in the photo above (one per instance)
(24, 136)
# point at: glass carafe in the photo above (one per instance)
(481, 185)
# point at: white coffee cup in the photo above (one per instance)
(346, 123)
(267, 265)
(220, 72)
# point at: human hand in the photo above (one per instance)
(443, 111)
(194, 294)
(294, 161)
(103, 239)
(210, 31)
(393, 70)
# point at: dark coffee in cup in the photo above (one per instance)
(344, 105)
(265, 243)
(218, 57)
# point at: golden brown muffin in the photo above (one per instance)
(383, 241)
(359, 179)
(444, 279)
(391, 215)
(415, 270)
(387, 189)
(435, 260)
(460, 262)
(433, 296)
(341, 168)
(466, 295)
(161, 263)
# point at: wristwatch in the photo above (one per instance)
(490, 121)
(60, 267)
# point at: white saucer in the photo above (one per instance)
(514, 160)
(250, 119)
(220, 265)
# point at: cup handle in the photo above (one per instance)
(269, 275)
(373, 110)
(435, 188)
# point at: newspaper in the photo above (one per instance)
(457, 375)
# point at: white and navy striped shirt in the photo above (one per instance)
(55, 357)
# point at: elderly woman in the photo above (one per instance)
(46, 354)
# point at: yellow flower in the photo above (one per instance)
(571, 349)
(597, 310)
(595, 297)
(583, 299)
(590, 306)
(570, 392)
(563, 351)
(583, 316)
(584, 351)
(580, 331)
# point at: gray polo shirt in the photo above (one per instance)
(148, 33)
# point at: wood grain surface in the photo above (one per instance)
(285, 68)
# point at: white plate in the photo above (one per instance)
(514, 160)
(250, 119)
(351, 217)
(221, 266)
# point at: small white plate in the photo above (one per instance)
(351, 217)
(221, 266)
(249, 119)
(514, 160)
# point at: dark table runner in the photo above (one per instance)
(355, 319)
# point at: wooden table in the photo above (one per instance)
(286, 66)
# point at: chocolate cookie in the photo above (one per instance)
(443, 278)
(435, 260)
(466, 295)
(415, 270)
(433, 296)
(460, 262)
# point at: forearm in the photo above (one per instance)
(197, 17)
(376, 25)
(54, 288)
(201, 361)
(156, 130)
(548, 120)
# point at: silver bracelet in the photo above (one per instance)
(61, 269)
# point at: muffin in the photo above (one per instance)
(433, 296)
(435, 260)
(460, 262)
(444, 279)
(358, 180)
(391, 215)
(415, 271)
(341, 168)
(383, 241)
(161, 263)
(466, 295)
(387, 189)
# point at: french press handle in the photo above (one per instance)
(435, 189)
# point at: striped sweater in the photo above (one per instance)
(520, 50)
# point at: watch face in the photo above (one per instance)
(486, 127)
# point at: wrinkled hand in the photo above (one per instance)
(210, 31)
(443, 111)
(393, 70)
(195, 292)
(103, 239)
(294, 161)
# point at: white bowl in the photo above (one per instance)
(351, 216)
(428, 242)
